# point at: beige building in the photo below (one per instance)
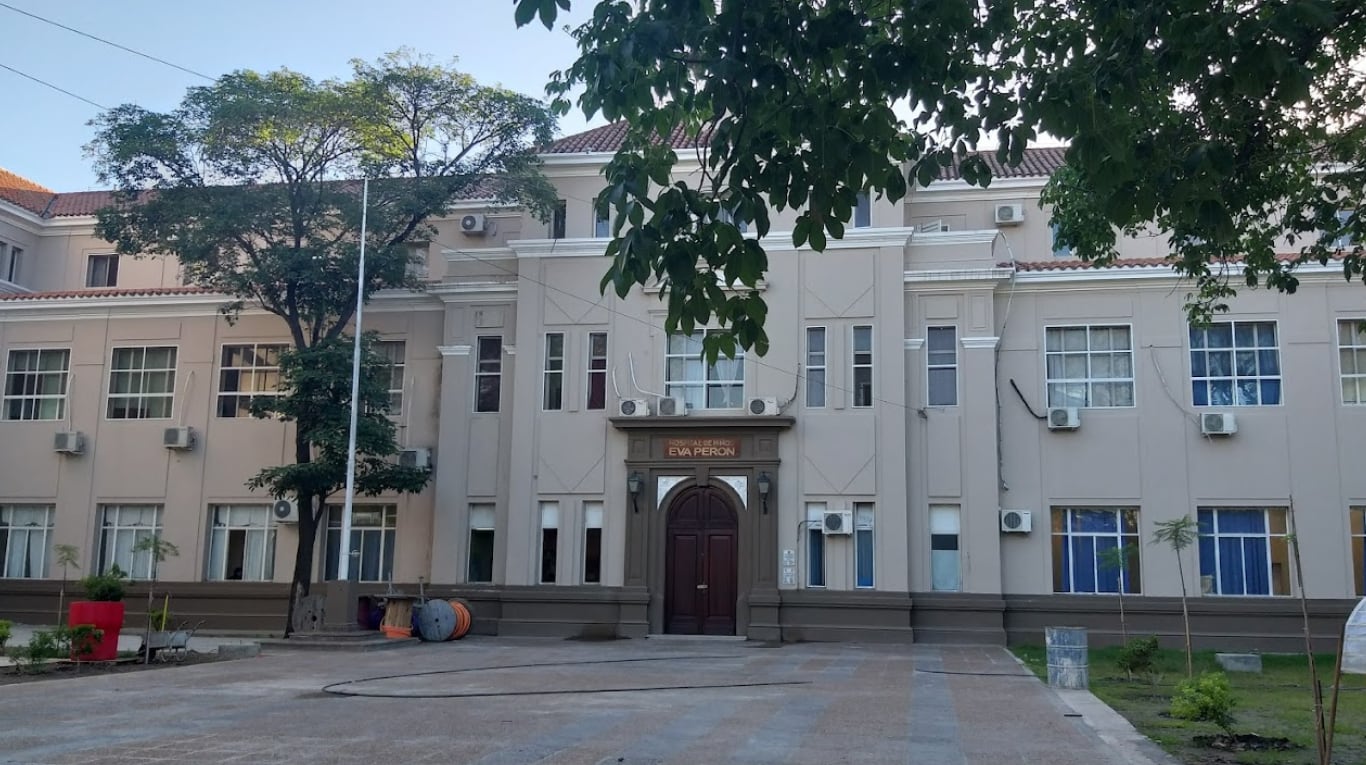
(953, 425)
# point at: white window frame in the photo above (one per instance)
(494, 372)
(812, 530)
(939, 527)
(140, 565)
(1122, 538)
(553, 371)
(32, 403)
(1356, 378)
(596, 367)
(251, 373)
(140, 373)
(932, 365)
(216, 559)
(486, 522)
(811, 369)
(864, 517)
(395, 352)
(1234, 377)
(12, 547)
(549, 521)
(110, 268)
(387, 531)
(593, 520)
(708, 382)
(855, 365)
(1268, 537)
(1090, 353)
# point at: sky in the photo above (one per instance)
(43, 132)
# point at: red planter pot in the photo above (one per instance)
(104, 615)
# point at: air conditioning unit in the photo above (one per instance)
(178, 438)
(415, 458)
(285, 511)
(672, 407)
(1009, 214)
(763, 406)
(1218, 424)
(474, 224)
(838, 523)
(1064, 418)
(1017, 521)
(633, 407)
(68, 442)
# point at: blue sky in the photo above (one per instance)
(43, 132)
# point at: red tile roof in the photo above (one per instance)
(106, 293)
(1072, 264)
(20, 191)
(79, 203)
(1036, 163)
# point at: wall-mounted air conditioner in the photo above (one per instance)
(1017, 521)
(1009, 214)
(285, 511)
(838, 523)
(1218, 424)
(181, 438)
(672, 406)
(633, 407)
(762, 406)
(68, 442)
(474, 224)
(1064, 418)
(420, 459)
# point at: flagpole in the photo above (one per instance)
(344, 544)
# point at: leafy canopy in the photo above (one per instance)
(1235, 128)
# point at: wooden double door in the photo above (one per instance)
(700, 564)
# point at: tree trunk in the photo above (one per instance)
(301, 582)
(1123, 627)
(1185, 616)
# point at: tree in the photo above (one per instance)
(1178, 534)
(251, 185)
(68, 556)
(1234, 128)
(158, 550)
(1117, 559)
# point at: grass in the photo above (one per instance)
(1276, 703)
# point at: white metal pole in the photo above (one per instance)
(344, 544)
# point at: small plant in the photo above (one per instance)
(1136, 657)
(106, 587)
(68, 556)
(1178, 534)
(159, 550)
(159, 617)
(1206, 698)
(5, 633)
(57, 643)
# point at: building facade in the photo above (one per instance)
(956, 427)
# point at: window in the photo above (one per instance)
(863, 211)
(728, 216)
(1083, 541)
(557, 219)
(102, 271)
(815, 367)
(597, 370)
(1089, 366)
(592, 543)
(1243, 551)
(4, 260)
(395, 353)
(142, 383)
(863, 366)
(1358, 523)
(122, 528)
(550, 541)
(35, 384)
(863, 544)
(241, 543)
(248, 372)
(701, 385)
(602, 221)
(25, 538)
(1352, 357)
(481, 544)
(1344, 240)
(945, 563)
(815, 544)
(16, 255)
(1235, 363)
(552, 399)
(1060, 250)
(373, 528)
(488, 375)
(942, 360)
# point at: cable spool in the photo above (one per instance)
(435, 621)
(464, 618)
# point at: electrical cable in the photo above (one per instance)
(111, 43)
(1025, 401)
(47, 84)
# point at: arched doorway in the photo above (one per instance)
(701, 547)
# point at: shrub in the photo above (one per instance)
(5, 632)
(1205, 698)
(1136, 657)
(55, 644)
(104, 587)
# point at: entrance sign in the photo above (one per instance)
(701, 448)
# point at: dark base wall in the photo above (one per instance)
(1265, 624)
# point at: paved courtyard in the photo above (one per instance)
(508, 701)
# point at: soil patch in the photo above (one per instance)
(69, 669)
(1246, 742)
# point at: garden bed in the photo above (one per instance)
(60, 669)
(1274, 713)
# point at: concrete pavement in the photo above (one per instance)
(504, 701)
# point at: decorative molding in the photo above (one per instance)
(913, 344)
(457, 291)
(938, 275)
(558, 248)
(981, 342)
(454, 350)
(944, 238)
(665, 484)
(741, 485)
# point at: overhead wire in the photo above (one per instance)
(47, 84)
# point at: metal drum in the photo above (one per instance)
(1067, 661)
(435, 621)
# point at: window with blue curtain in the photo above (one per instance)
(1243, 551)
(1084, 541)
(1235, 363)
(863, 544)
(815, 544)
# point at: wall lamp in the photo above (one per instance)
(765, 483)
(633, 482)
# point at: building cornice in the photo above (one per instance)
(981, 342)
(948, 238)
(451, 292)
(956, 275)
(192, 304)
